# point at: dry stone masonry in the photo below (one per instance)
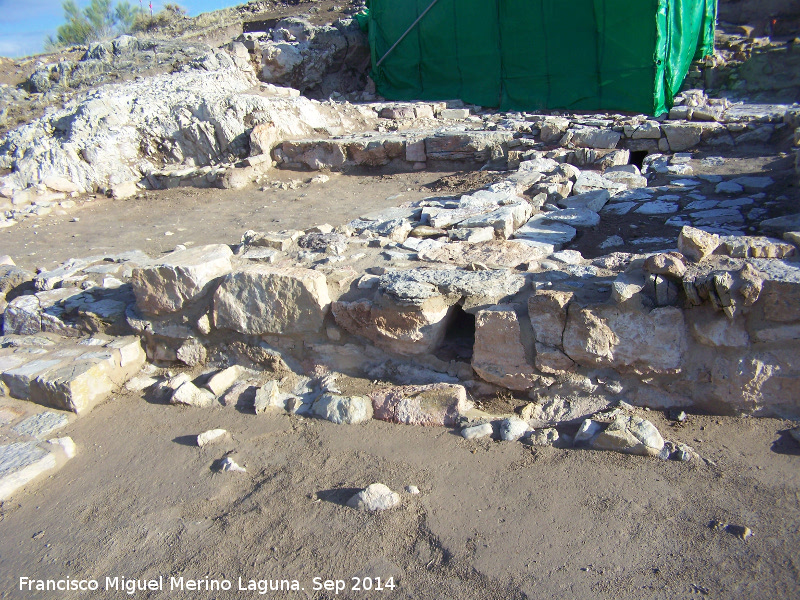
(439, 302)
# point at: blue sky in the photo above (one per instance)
(24, 24)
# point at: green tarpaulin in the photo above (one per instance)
(539, 54)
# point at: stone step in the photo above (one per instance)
(67, 373)
(30, 446)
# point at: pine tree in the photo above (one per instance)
(97, 21)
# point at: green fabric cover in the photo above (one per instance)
(540, 54)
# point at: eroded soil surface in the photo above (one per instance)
(493, 519)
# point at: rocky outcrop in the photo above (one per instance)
(318, 61)
(124, 132)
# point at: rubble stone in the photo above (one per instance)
(696, 244)
(188, 394)
(342, 409)
(20, 463)
(374, 498)
(434, 404)
(631, 435)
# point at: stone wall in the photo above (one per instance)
(712, 324)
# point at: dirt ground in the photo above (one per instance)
(493, 519)
(159, 220)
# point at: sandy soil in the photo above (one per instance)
(160, 220)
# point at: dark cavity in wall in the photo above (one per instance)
(459, 337)
(637, 157)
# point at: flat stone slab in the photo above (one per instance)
(41, 425)
(507, 254)
(576, 217)
(476, 287)
(593, 201)
(538, 229)
(754, 183)
(782, 224)
(717, 216)
(657, 207)
(619, 208)
(70, 374)
(20, 463)
(756, 112)
(728, 187)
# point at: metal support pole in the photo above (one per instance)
(407, 31)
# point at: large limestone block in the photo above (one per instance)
(434, 404)
(608, 336)
(182, 277)
(315, 155)
(547, 310)
(467, 145)
(347, 410)
(759, 382)
(19, 378)
(781, 289)
(590, 137)
(408, 328)
(718, 331)
(475, 289)
(76, 386)
(260, 300)
(696, 244)
(682, 136)
(499, 354)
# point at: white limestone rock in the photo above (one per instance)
(631, 435)
(513, 429)
(374, 498)
(475, 432)
(210, 436)
(338, 409)
(188, 394)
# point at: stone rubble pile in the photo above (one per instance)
(320, 61)
(705, 316)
